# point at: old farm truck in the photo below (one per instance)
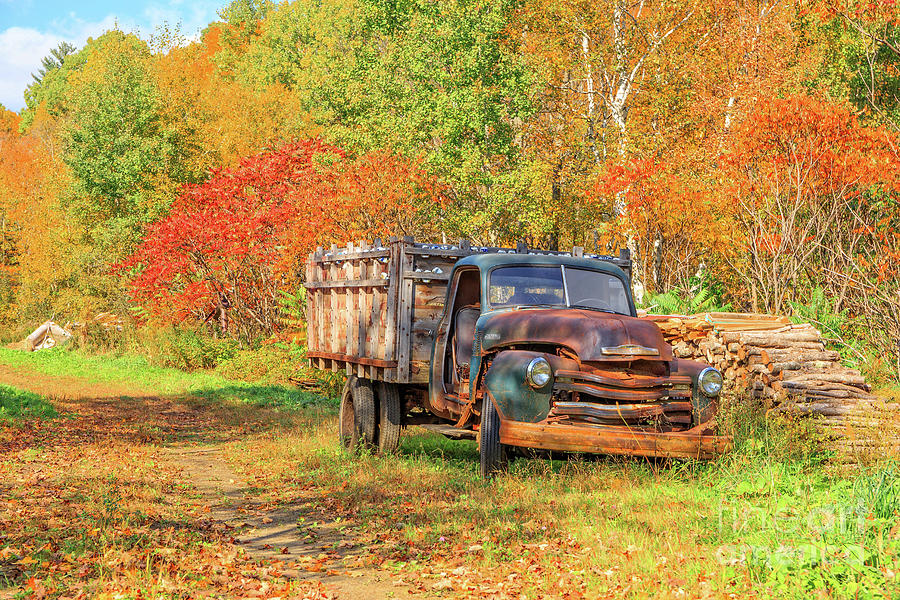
(511, 347)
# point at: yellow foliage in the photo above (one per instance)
(220, 120)
(32, 179)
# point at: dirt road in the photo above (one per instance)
(300, 548)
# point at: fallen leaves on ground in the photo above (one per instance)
(91, 507)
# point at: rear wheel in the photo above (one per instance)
(493, 453)
(388, 417)
(357, 420)
(365, 417)
(347, 432)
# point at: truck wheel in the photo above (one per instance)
(388, 417)
(493, 454)
(347, 432)
(365, 417)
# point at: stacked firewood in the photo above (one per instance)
(784, 365)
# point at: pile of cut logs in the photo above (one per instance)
(788, 368)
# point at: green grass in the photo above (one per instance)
(763, 520)
(140, 376)
(19, 404)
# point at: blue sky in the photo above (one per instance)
(30, 28)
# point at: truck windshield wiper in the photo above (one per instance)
(539, 305)
(604, 310)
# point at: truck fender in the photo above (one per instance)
(514, 398)
(704, 407)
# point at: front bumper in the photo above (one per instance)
(602, 439)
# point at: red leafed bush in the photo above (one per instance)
(228, 245)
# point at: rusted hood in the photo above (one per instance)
(592, 335)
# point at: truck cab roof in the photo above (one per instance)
(486, 262)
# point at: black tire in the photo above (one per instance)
(365, 417)
(389, 419)
(493, 453)
(347, 432)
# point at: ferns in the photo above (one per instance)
(682, 302)
(835, 326)
(819, 310)
(292, 313)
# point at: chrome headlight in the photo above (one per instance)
(538, 372)
(710, 381)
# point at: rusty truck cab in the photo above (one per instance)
(546, 351)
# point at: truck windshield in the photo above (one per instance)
(558, 286)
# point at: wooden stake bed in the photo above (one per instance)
(372, 309)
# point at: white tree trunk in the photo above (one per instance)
(589, 92)
(729, 112)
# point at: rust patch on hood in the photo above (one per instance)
(592, 335)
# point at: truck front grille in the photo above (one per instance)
(621, 398)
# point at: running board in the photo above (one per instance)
(454, 433)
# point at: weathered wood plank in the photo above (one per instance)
(320, 308)
(390, 311)
(405, 317)
(333, 339)
(362, 315)
(375, 339)
(350, 283)
(350, 269)
(431, 263)
(362, 254)
(425, 275)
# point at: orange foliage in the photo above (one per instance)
(382, 193)
(806, 179)
(677, 222)
(32, 177)
(242, 235)
(9, 121)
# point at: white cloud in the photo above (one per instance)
(21, 48)
(18, 47)
(21, 51)
(191, 17)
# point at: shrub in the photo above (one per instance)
(267, 363)
(186, 349)
(686, 302)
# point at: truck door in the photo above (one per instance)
(453, 344)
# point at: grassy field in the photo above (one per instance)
(19, 404)
(136, 375)
(770, 520)
(748, 525)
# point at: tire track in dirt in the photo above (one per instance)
(277, 535)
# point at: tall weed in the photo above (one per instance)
(186, 349)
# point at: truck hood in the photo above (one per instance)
(592, 335)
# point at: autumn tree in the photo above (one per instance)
(217, 120)
(228, 245)
(811, 189)
(439, 80)
(123, 154)
(864, 55)
(33, 268)
(48, 92)
(54, 60)
(680, 227)
(9, 129)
